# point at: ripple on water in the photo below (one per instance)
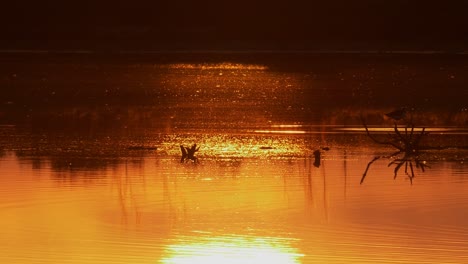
(154, 208)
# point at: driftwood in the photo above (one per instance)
(408, 144)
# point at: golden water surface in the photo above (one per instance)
(231, 209)
(90, 167)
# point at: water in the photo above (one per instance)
(90, 176)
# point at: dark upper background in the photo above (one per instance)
(148, 25)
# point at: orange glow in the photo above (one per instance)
(402, 129)
(223, 146)
(218, 66)
(231, 210)
(286, 126)
(232, 249)
(280, 131)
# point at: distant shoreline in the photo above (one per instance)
(219, 51)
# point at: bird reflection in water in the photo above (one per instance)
(397, 114)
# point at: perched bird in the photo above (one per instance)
(397, 114)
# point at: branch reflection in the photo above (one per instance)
(409, 149)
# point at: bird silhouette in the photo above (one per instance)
(189, 153)
(397, 114)
(317, 158)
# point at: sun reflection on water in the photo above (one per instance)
(218, 66)
(244, 146)
(232, 249)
